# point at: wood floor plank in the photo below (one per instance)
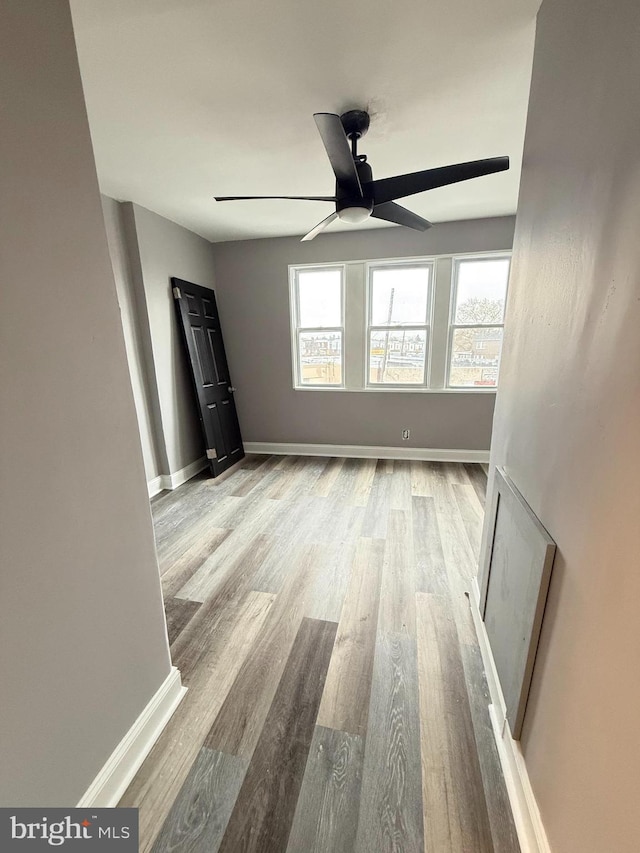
(472, 514)
(397, 597)
(291, 516)
(478, 476)
(390, 817)
(201, 504)
(284, 461)
(327, 478)
(238, 725)
(183, 566)
(400, 491)
(255, 511)
(345, 701)
(184, 538)
(331, 578)
(263, 814)
(455, 810)
(233, 589)
(456, 473)
(178, 614)
(252, 461)
(177, 532)
(289, 476)
(327, 810)
(230, 554)
(343, 487)
(421, 483)
(436, 474)
(503, 830)
(276, 568)
(313, 468)
(157, 783)
(364, 478)
(337, 523)
(458, 553)
(460, 562)
(374, 524)
(201, 811)
(431, 572)
(258, 471)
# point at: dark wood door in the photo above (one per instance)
(200, 324)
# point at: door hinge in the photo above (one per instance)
(177, 293)
(211, 453)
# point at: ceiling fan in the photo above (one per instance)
(357, 195)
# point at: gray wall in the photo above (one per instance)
(83, 643)
(164, 249)
(253, 296)
(146, 251)
(137, 340)
(568, 415)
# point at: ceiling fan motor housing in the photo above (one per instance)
(355, 123)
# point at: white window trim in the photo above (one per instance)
(356, 323)
(297, 329)
(427, 326)
(455, 262)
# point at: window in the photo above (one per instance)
(318, 313)
(476, 329)
(410, 324)
(398, 330)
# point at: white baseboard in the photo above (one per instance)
(356, 451)
(172, 481)
(124, 762)
(526, 814)
(154, 486)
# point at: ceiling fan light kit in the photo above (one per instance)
(354, 215)
(357, 196)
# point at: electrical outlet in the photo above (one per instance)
(405, 434)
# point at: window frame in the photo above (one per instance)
(297, 329)
(456, 261)
(410, 263)
(355, 319)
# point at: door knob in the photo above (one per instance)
(231, 389)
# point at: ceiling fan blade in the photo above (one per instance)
(319, 227)
(400, 186)
(393, 212)
(337, 147)
(291, 197)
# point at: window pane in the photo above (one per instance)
(475, 357)
(481, 291)
(320, 358)
(319, 298)
(397, 358)
(399, 295)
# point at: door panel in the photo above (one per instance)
(202, 337)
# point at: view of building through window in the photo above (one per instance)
(397, 358)
(321, 358)
(320, 322)
(398, 331)
(477, 329)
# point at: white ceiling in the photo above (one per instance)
(188, 99)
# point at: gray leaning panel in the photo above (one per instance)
(517, 570)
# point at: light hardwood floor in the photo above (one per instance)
(317, 610)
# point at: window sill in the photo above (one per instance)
(395, 390)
